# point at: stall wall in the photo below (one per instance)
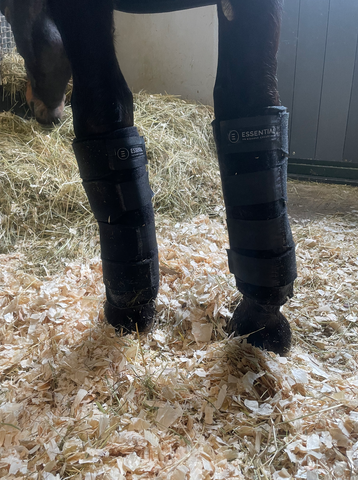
(169, 53)
(318, 67)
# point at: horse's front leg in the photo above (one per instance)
(251, 137)
(112, 162)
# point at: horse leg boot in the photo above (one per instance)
(112, 162)
(252, 143)
(113, 169)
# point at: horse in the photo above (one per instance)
(60, 38)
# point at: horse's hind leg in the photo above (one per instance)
(251, 137)
(112, 162)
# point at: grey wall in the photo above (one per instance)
(318, 77)
(318, 67)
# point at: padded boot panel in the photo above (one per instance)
(255, 188)
(128, 300)
(123, 242)
(248, 234)
(266, 295)
(132, 277)
(109, 198)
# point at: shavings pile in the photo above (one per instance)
(77, 401)
(184, 402)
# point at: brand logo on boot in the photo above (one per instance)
(234, 136)
(123, 154)
(260, 134)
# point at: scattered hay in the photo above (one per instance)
(42, 202)
(12, 75)
(182, 156)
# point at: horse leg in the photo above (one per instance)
(251, 137)
(39, 43)
(112, 162)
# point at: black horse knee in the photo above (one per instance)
(115, 177)
(252, 157)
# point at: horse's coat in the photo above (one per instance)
(56, 37)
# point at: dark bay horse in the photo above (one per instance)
(60, 37)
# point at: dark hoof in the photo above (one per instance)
(266, 326)
(127, 320)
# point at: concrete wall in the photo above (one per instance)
(172, 53)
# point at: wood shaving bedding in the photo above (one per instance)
(77, 401)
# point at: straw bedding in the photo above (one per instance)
(184, 402)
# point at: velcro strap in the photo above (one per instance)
(263, 272)
(260, 234)
(254, 134)
(99, 157)
(120, 243)
(256, 187)
(110, 200)
(130, 277)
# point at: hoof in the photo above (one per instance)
(130, 319)
(266, 326)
